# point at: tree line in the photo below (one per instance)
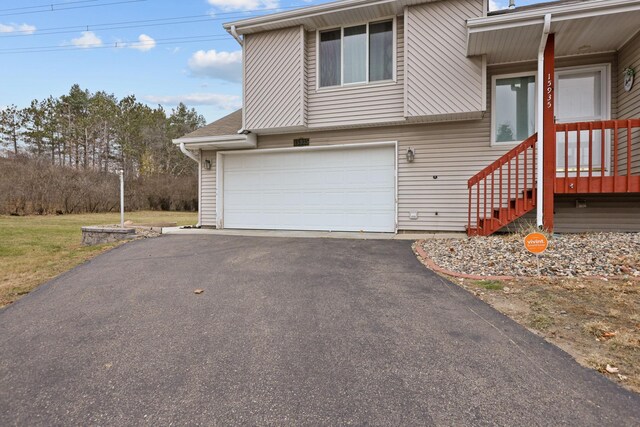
(80, 141)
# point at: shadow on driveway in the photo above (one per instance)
(288, 331)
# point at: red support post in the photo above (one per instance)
(549, 131)
(628, 155)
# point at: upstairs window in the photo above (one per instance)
(330, 58)
(513, 104)
(356, 55)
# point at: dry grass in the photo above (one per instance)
(597, 321)
(34, 249)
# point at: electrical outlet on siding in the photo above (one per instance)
(413, 216)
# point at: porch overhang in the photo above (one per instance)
(223, 142)
(580, 28)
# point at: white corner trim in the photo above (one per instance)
(540, 122)
(219, 189)
(199, 189)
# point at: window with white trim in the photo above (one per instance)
(356, 55)
(514, 107)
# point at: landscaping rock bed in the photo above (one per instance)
(99, 235)
(568, 255)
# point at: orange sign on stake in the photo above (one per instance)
(536, 243)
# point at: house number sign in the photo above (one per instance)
(549, 90)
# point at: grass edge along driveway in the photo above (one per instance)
(35, 249)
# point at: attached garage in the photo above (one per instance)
(328, 188)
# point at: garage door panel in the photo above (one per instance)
(338, 190)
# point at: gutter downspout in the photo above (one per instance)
(539, 120)
(235, 35)
(195, 158)
(188, 153)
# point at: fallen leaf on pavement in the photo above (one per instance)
(198, 291)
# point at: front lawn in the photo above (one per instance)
(596, 320)
(586, 299)
(34, 249)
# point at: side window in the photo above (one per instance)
(381, 51)
(330, 58)
(514, 115)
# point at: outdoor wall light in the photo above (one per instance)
(207, 164)
(411, 155)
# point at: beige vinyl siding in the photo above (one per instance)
(356, 105)
(629, 102)
(452, 152)
(208, 188)
(604, 213)
(441, 79)
(448, 151)
(274, 79)
(619, 213)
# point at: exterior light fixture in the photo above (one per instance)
(207, 164)
(411, 154)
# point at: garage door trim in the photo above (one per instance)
(220, 155)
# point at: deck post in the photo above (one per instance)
(549, 134)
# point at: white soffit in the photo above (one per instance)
(595, 34)
(324, 15)
(580, 28)
(511, 44)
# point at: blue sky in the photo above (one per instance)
(44, 52)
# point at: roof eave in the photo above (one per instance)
(218, 142)
(246, 25)
(559, 12)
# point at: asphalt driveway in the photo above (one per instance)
(288, 331)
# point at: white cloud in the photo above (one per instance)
(495, 5)
(144, 43)
(226, 102)
(22, 28)
(86, 40)
(232, 5)
(218, 65)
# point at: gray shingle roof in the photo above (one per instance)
(228, 125)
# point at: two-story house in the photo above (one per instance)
(398, 115)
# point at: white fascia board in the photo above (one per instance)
(204, 139)
(565, 12)
(474, 28)
(216, 142)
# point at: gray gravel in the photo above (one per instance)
(568, 255)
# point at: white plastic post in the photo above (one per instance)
(121, 173)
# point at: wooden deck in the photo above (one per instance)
(598, 185)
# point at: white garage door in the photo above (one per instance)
(346, 189)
